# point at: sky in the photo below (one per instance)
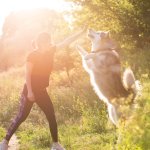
(7, 6)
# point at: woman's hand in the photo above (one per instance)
(31, 96)
(71, 39)
(84, 29)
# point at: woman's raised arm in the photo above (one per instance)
(70, 39)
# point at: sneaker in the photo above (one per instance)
(4, 145)
(57, 146)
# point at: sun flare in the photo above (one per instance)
(8, 6)
(15, 5)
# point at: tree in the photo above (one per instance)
(128, 19)
(20, 28)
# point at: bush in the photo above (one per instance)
(2, 133)
(34, 137)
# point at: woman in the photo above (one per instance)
(38, 68)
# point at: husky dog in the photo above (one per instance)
(104, 67)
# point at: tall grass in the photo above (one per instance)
(82, 118)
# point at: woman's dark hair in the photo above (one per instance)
(41, 38)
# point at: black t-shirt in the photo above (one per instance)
(42, 67)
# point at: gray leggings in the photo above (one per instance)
(44, 102)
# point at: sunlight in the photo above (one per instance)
(15, 5)
(8, 6)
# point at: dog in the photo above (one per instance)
(104, 67)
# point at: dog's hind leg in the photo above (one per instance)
(112, 113)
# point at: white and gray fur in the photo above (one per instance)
(104, 68)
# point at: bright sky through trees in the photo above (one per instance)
(6, 6)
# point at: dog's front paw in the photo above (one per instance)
(78, 47)
(81, 51)
(87, 57)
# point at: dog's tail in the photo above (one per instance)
(130, 83)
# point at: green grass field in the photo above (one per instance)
(82, 119)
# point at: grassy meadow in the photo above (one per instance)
(82, 118)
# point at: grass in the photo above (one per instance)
(82, 119)
(2, 133)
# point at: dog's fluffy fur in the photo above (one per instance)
(104, 68)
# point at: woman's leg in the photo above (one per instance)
(24, 110)
(44, 102)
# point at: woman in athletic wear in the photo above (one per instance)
(38, 69)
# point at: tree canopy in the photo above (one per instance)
(129, 19)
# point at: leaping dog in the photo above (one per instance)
(104, 67)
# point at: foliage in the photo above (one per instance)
(34, 138)
(128, 19)
(2, 133)
(82, 119)
(21, 28)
